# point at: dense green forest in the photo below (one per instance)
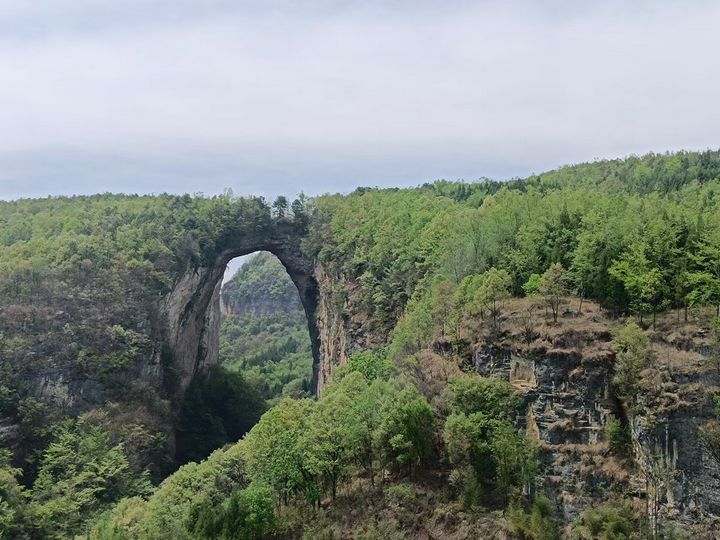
(264, 332)
(432, 268)
(636, 235)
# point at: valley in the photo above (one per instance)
(533, 359)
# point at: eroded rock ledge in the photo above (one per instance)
(565, 374)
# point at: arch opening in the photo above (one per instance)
(263, 329)
(264, 353)
(300, 272)
(192, 316)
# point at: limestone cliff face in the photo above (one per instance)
(566, 379)
(332, 330)
(342, 325)
(568, 402)
(675, 401)
(190, 317)
(682, 477)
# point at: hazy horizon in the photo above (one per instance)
(348, 189)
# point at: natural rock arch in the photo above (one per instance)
(190, 313)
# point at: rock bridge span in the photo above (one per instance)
(190, 313)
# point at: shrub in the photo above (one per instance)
(618, 436)
(486, 451)
(535, 523)
(488, 395)
(631, 345)
(371, 364)
(609, 522)
(409, 429)
(246, 515)
(382, 530)
(13, 505)
(400, 494)
(167, 513)
(80, 476)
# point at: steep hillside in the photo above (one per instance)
(529, 357)
(594, 458)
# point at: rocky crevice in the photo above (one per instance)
(682, 476)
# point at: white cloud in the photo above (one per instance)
(389, 92)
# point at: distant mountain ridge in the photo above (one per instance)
(261, 286)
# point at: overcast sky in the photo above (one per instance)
(274, 96)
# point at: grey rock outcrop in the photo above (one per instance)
(190, 313)
(566, 379)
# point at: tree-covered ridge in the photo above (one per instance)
(160, 232)
(621, 243)
(663, 173)
(633, 174)
(429, 270)
(264, 332)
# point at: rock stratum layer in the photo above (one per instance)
(565, 374)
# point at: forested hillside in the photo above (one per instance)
(80, 283)
(534, 359)
(638, 235)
